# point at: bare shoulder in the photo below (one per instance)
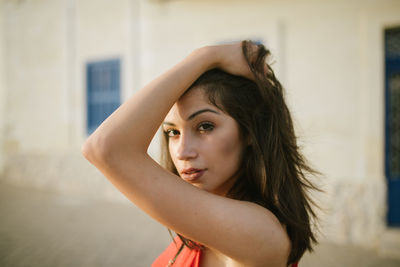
(247, 233)
(270, 236)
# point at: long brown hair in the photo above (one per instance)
(273, 173)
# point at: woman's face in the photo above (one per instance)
(204, 143)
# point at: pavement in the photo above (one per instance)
(46, 229)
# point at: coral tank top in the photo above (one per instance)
(186, 258)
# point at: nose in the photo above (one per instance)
(185, 148)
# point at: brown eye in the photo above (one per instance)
(171, 132)
(206, 127)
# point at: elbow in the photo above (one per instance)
(95, 150)
(86, 150)
(102, 149)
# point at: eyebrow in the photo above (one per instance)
(191, 117)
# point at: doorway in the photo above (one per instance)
(392, 123)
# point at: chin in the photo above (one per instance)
(203, 187)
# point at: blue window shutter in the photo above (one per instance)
(103, 91)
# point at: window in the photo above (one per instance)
(103, 91)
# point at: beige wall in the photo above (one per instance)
(36, 82)
(48, 44)
(328, 54)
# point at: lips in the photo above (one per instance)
(192, 174)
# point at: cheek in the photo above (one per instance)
(230, 148)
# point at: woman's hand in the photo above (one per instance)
(231, 59)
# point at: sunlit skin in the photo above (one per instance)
(204, 143)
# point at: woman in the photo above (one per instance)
(242, 198)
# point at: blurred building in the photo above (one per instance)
(66, 64)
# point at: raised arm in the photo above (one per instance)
(118, 148)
